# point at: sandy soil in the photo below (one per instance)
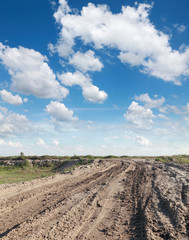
(110, 199)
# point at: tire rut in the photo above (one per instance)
(43, 203)
(115, 199)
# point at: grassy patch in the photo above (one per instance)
(14, 174)
(159, 159)
(179, 159)
(25, 171)
(182, 160)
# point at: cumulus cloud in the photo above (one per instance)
(86, 61)
(30, 73)
(143, 141)
(133, 59)
(77, 78)
(11, 99)
(139, 116)
(93, 94)
(130, 32)
(13, 123)
(60, 112)
(89, 91)
(149, 102)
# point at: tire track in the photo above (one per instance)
(113, 199)
(49, 201)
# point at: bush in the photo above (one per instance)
(75, 157)
(26, 163)
(111, 156)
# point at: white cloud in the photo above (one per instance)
(13, 123)
(86, 61)
(53, 4)
(170, 66)
(186, 108)
(162, 116)
(178, 129)
(129, 31)
(55, 142)
(180, 27)
(9, 98)
(3, 110)
(186, 112)
(65, 43)
(161, 132)
(60, 112)
(133, 59)
(89, 91)
(30, 73)
(89, 125)
(10, 144)
(139, 116)
(2, 142)
(77, 78)
(174, 109)
(93, 94)
(163, 109)
(186, 119)
(143, 141)
(41, 142)
(14, 144)
(149, 102)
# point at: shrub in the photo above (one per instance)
(26, 163)
(111, 156)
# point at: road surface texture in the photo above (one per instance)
(111, 199)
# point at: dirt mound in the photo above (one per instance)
(110, 199)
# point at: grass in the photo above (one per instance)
(182, 160)
(160, 159)
(14, 174)
(25, 171)
(179, 159)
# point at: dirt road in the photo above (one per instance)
(110, 199)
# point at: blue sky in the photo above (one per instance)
(94, 77)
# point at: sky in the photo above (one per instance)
(94, 77)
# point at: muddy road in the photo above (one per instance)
(110, 199)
